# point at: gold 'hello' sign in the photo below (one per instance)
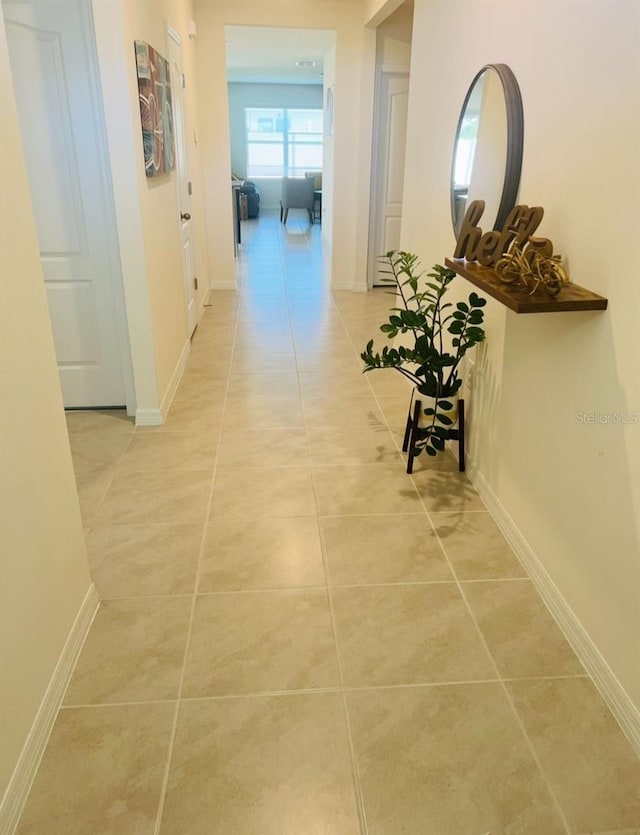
(513, 251)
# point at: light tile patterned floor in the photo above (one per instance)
(295, 636)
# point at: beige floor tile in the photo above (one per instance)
(366, 489)
(441, 490)
(522, 637)
(246, 355)
(212, 353)
(347, 382)
(267, 554)
(388, 382)
(250, 316)
(92, 451)
(277, 384)
(327, 362)
(395, 409)
(144, 560)
(92, 488)
(363, 550)
(270, 766)
(169, 451)
(200, 387)
(98, 420)
(319, 341)
(346, 446)
(475, 547)
(194, 416)
(101, 773)
(258, 642)
(267, 412)
(134, 652)
(411, 634)
(164, 496)
(247, 492)
(212, 362)
(449, 761)
(273, 343)
(342, 409)
(265, 330)
(591, 766)
(244, 363)
(273, 447)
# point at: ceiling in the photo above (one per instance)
(268, 54)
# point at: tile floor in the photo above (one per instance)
(295, 636)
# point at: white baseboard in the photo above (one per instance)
(149, 417)
(611, 690)
(18, 789)
(156, 417)
(174, 382)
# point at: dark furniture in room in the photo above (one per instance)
(253, 198)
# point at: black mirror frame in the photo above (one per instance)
(515, 141)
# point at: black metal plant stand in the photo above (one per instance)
(413, 433)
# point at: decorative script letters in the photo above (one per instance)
(522, 221)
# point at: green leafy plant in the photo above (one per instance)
(442, 335)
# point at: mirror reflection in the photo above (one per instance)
(488, 148)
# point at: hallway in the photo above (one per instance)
(295, 636)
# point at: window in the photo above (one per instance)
(283, 142)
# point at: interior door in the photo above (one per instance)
(388, 176)
(183, 177)
(52, 54)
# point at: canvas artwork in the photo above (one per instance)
(156, 114)
(328, 113)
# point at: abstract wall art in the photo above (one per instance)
(156, 114)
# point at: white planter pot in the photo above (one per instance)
(431, 403)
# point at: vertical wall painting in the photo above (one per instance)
(156, 114)
(328, 113)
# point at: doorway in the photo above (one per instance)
(393, 56)
(278, 83)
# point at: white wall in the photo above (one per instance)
(572, 490)
(45, 576)
(264, 95)
(353, 107)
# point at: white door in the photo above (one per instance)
(183, 180)
(388, 173)
(52, 54)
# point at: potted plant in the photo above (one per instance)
(441, 336)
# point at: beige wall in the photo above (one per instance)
(147, 208)
(393, 38)
(353, 107)
(43, 562)
(572, 490)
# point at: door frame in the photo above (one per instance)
(377, 156)
(172, 35)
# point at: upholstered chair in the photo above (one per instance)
(297, 193)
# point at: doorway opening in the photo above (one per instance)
(393, 56)
(280, 87)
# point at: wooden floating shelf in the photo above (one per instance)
(571, 297)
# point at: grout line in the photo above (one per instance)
(357, 783)
(172, 738)
(91, 705)
(505, 690)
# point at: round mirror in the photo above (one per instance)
(487, 154)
